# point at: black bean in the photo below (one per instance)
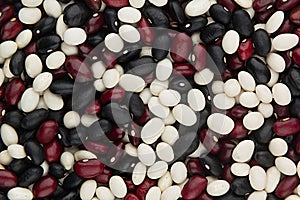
(230, 196)
(295, 107)
(59, 192)
(47, 44)
(272, 197)
(126, 164)
(26, 135)
(30, 176)
(57, 170)
(294, 77)
(19, 165)
(63, 136)
(177, 12)
(215, 59)
(180, 84)
(70, 196)
(161, 45)
(264, 158)
(14, 118)
(17, 63)
(241, 186)
(116, 113)
(136, 105)
(242, 23)
(186, 144)
(130, 52)
(289, 139)
(157, 17)
(262, 42)
(85, 93)
(265, 133)
(77, 136)
(258, 69)
(292, 87)
(98, 130)
(34, 119)
(220, 14)
(212, 164)
(212, 32)
(35, 151)
(44, 26)
(96, 38)
(141, 66)
(194, 24)
(111, 19)
(62, 87)
(72, 181)
(76, 14)
(56, 115)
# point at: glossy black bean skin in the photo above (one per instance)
(63, 136)
(141, 66)
(186, 144)
(115, 113)
(177, 12)
(215, 59)
(62, 87)
(44, 26)
(161, 45)
(157, 17)
(77, 136)
(220, 14)
(47, 44)
(230, 196)
(212, 32)
(212, 164)
(241, 186)
(26, 135)
(34, 119)
(264, 158)
(111, 19)
(70, 196)
(14, 118)
(57, 170)
(96, 38)
(136, 105)
(30, 176)
(262, 42)
(85, 93)
(72, 181)
(35, 151)
(99, 129)
(258, 70)
(17, 63)
(130, 52)
(19, 165)
(265, 133)
(76, 14)
(194, 24)
(242, 23)
(180, 84)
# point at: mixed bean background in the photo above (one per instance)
(150, 99)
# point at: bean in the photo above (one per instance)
(111, 19)
(11, 29)
(160, 46)
(9, 179)
(99, 129)
(47, 44)
(215, 60)
(110, 110)
(194, 187)
(117, 3)
(241, 186)
(286, 186)
(18, 166)
(94, 23)
(94, 5)
(265, 133)
(177, 12)
(7, 13)
(30, 176)
(14, 91)
(211, 164)
(181, 47)
(286, 5)
(47, 131)
(286, 127)
(220, 14)
(258, 70)
(259, 5)
(141, 66)
(53, 150)
(242, 23)
(76, 14)
(89, 169)
(35, 151)
(44, 26)
(193, 24)
(72, 181)
(157, 17)
(212, 32)
(57, 170)
(130, 52)
(14, 119)
(261, 41)
(45, 187)
(185, 145)
(62, 87)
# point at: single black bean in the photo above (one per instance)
(141, 66)
(72, 181)
(77, 136)
(264, 158)
(294, 76)
(136, 105)
(98, 130)
(47, 44)
(265, 133)
(272, 197)
(295, 107)
(212, 164)
(157, 17)
(220, 14)
(230, 196)
(130, 52)
(19, 165)
(26, 135)
(34, 119)
(76, 14)
(59, 192)
(242, 23)
(180, 84)
(258, 69)
(62, 87)
(262, 42)
(70, 196)
(96, 38)
(35, 151)
(57, 170)
(289, 139)
(44, 26)
(186, 144)
(212, 32)
(14, 118)
(30, 176)
(292, 87)
(17, 63)
(111, 19)
(56, 115)
(116, 113)
(63, 136)
(161, 45)
(203, 115)
(126, 164)
(194, 24)
(177, 11)
(215, 59)
(85, 93)
(241, 186)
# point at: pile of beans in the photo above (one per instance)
(150, 100)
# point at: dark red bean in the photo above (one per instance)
(116, 3)
(295, 15)
(286, 186)
(262, 5)
(239, 131)
(227, 175)
(145, 118)
(11, 29)
(115, 153)
(281, 111)
(227, 74)
(88, 52)
(286, 127)
(204, 196)
(226, 151)
(134, 134)
(89, 169)
(262, 17)
(199, 57)
(131, 197)
(47, 131)
(183, 69)
(294, 156)
(194, 167)
(105, 176)
(93, 108)
(8, 179)
(7, 12)
(286, 27)
(210, 140)
(194, 187)
(94, 5)
(144, 187)
(181, 47)
(245, 49)
(14, 91)
(94, 24)
(78, 69)
(96, 147)
(53, 150)
(45, 187)
(286, 5)
(146, 31)
(109, 59)
(234, 62)
(116, 94)
(297, 32)
(296, 56)
(130, 185)
(287, 58)
(229, 4)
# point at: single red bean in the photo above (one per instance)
(134, 134)
(181, 47)
(144, 187)
(226, 151)
(227, 74)
(262, 17)
(194, 187)
(238, 112)
(96, 147)
(183, 69)
(199, 57)
(296, 56)
(8, 179)
(88, 52)
(286, 5)
(145, 117)
(297, 32)
(59, 73)
(45, 187)
(295, 15)
(94, 5)
(130, 185)
(287, 58)
(291, 154)
(227, 175)
(234, 62)
(210, 141)
(11, 29)
(116, 94)
(281, 111)
(239, 131)
(105, 176)
(262, 5)
(205, 196)
(47, 131)
(94, 24)
(146, 31)
(14, 91)
(245, 49)
(89, 169)
(195, 168)
(286, 27)
(78, 69)
(286, 127)
(109, 59)
(53, 150)
(116, 3)
(286, 186)
(6, 13)
(93, 108)
(30, 48)
(2, 92)
(229, 4)
(131, 197)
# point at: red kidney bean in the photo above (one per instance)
(239, 131)
(30, 48)
(227, 175)
(234, 62)
(181, 47)
(286, 127)
(210, 141)
(130, 185)
(11, 29)
(295, 15)
(286, 186)
(205, 196)
(226, 151)
(60, 73)
(194, 187)
(146, 31)
(94, 24)
(296, 56)
(109, 59)
(286, 5)
(134, 134)
(229, 4)
(7, 12)
(47, 131)
(183, 69)
(286, 27)
(88, 52)
(195, 168)
(227, 74)
(14, 91)
(96, 147)
(105, 176)
(143, 188)
(145, 118)
(245, 49)
(53, 150)
(281, 111)
(263, 5)
(131, 197)
(93, 108)
(291, 154)
(199, 57)
(262, 17)
(8, 179)
(45, 187)
(297, 32)
(94, 5)
(78, 69)
(116, 94)
(89, 169)
(116, 3)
